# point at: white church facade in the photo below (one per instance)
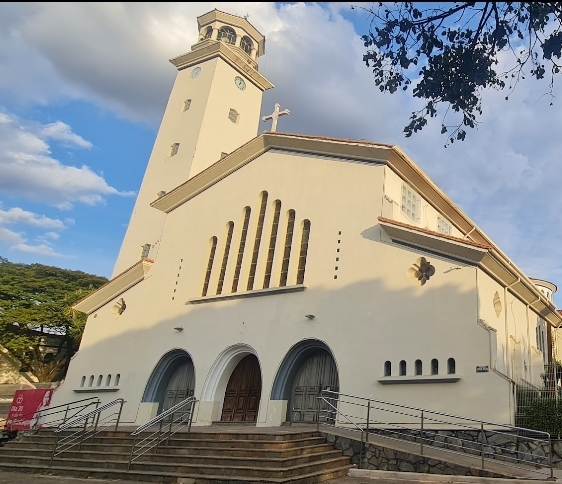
(258, 270)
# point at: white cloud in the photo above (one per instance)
(18, 215)
(60, 131)
(18, 240)
(51, 235)
(28, 170)
(42, 249)
(10, 237)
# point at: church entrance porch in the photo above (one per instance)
(308, 368)
(242, 395)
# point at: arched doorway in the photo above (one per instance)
(171, 381)
(243, 392)
(308, 368)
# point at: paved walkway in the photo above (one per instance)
(377, 477)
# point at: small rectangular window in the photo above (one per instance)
(411, 203)
(443, 226)
(175, 148)
(233, 115)
(186, 104)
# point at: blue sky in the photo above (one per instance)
(83, 88)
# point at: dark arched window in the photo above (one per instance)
(209, 266)
(259, 230)
(272, 241)
(287, 250)
(228, 34)
(418, 366)
(451, 366)
(208, 32)
(402, 368)
(387, 368)
(304, 250)
(82, 381)
(246, 45)
(225, 256)
(434, 367)
(243, 235)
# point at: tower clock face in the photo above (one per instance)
(195, 72)
(240, 84)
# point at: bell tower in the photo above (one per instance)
(214, 108)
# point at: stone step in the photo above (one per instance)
(171, 477)
(214, 469)
(190, 441)
(23, 447)
(200, 435)
(256, 461)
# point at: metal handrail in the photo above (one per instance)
(57, 409)
(411, 429)
(71, 422)
(82, 434)
(155, 438)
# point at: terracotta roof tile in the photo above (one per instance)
(435, 234)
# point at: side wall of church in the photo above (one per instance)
(515, 324)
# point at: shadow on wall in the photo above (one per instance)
(363, 324)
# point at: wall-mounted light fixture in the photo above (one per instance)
(178, 328)
(309, 316)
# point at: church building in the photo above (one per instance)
(259, 269)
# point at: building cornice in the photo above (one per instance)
(220, 49)
(113, 288)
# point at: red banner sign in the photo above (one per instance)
(27, 409)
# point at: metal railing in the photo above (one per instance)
(168, 425)
(88, 425)
(54, 416)
(514, 446)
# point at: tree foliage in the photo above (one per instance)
(450, 52)
(37, 322)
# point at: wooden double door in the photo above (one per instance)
(243, 392)
(317, 373)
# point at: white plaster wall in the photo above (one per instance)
(203, 131)
(371, 313)
(428, 215)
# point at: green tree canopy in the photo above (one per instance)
(37, 323)
(449, 53)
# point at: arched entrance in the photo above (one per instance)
(171, 381)
(243, 392)
(308, 368)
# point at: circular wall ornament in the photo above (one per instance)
(195, 72)
(240, 83)
(421, 271)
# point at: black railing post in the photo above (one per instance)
(421, 434)
(482, 442)
(368, 416)
(132, 453)
(119, 415)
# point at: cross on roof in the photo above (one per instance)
(275, 115)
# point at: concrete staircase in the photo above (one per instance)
(197, 457)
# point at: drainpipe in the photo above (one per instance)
(512, 393)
